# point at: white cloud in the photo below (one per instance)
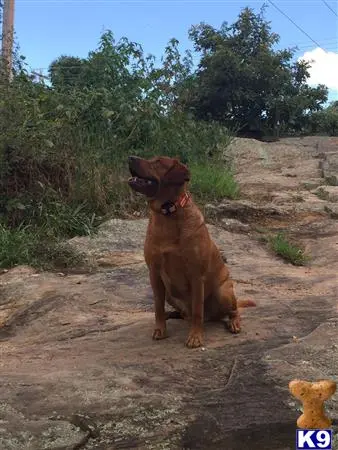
(324, 67)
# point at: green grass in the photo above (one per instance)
(39, 240)
(24, 245)
(288, 251)
(66, 220)
(16, 246)
(212, 182)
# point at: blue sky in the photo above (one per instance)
(47, 29)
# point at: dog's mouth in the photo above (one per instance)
(144, 185)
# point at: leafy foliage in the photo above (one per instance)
(243, 80)
(325, 121)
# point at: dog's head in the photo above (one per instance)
(157, 177)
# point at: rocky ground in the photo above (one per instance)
(79, 368)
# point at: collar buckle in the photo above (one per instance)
(168, 208)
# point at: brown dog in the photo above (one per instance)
(185, 266)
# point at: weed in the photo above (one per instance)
(288, 251)
(322, 194)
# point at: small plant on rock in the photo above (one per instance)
(322, 194)
(288, 251)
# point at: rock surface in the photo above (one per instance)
(78, 368)
(329, 167)
(329, 193)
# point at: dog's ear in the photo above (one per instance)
(177, 174)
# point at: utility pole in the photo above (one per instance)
(8, 37)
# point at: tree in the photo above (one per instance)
(113, 65)
(325, 121)
(66, 72)
(242, 80)
(331, 120)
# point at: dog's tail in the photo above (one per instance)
(173, 315)
(245, 303)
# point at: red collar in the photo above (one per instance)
(169, 208)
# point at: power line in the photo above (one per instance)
(302, 43)
(195, 58)
(294, 23)
(331, 9)
(331, 47)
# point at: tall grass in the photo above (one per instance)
(213, 182)
(26, 245)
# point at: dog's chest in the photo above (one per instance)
(166, 256)
(174, 263)
(174, 270)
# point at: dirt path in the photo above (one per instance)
(78, 368)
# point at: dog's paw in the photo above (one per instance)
(159, 333)
(195, 340)
(235, 325)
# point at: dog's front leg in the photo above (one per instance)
(158, 288)
(195, 338)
